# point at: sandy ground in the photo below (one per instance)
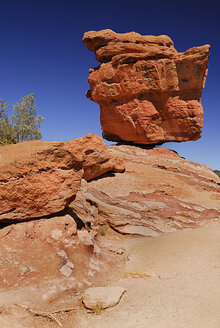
(182, 289)
(186, 295)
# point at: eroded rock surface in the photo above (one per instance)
(45, 249)
(148, 92)
(36, 251)
(39, 178)
(46, 259)
(159, 192)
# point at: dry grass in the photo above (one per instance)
(137, 274)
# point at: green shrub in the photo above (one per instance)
(23, 124)
(103, 231)
(217, 172)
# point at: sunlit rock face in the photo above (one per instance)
(148, 92)
(40, 178)
(158, 192)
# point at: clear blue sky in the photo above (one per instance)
(42, 53)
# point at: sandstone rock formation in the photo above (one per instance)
(148, 92)
(65, 208)
(64, 252)
(42, 241)
(40, 178)
(158, 192)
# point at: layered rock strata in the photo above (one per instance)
(43, 244)
(148, 92)
(39, 178)
(159, 192)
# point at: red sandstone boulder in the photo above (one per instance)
(39, 178)
(158, 192)
(148, 92)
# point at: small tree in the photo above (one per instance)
(6, 135)
(23, 124)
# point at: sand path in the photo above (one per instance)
(187, 293)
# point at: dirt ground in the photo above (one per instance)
(178, 286)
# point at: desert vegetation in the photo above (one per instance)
(217, 172)
(23, 124)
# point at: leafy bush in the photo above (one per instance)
(103, 231)
(217, 172)
(23, 124)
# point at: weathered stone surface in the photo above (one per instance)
(98, 298)
(106, 44)
(96, 158)
(40, 178)
(159, 192)
(148, 92)
(49, 258)
(34, 251)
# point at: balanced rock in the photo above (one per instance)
(39, 178)
(148, 92)
(159, 192)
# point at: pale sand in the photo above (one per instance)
(188, 296)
